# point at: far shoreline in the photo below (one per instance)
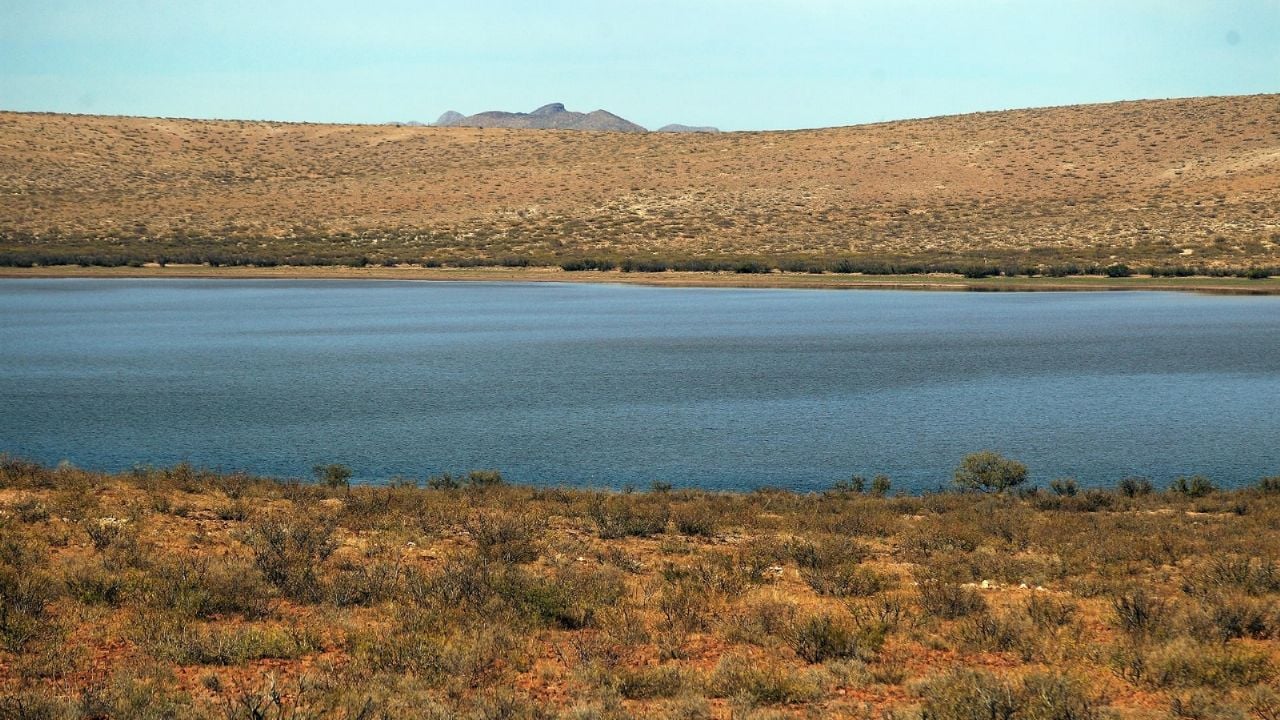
(670, 278)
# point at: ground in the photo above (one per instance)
(1187, 183)
(181, 592)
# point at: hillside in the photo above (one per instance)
(1154, 183)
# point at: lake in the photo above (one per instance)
(607, 385)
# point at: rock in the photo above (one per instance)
(677, 128)
(552, 116)
(450, 119)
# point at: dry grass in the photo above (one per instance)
(1153, 183)
(181, 592)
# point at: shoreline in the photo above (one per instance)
(775, 280)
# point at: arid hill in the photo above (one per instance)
(1154, 183)
(553, 116)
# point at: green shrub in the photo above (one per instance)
(512, 537)
(979, 695)
(756, 681)
(820, 638)
(695, 520)
(1135, 486)
(989, 472)
(1196, 486)
(290, 553)
(625, 516)
(845, 581)
(334, 476)
(654, 681)
(1185, 663)
(1140, 614)
(949, 600)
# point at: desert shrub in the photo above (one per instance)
(826, 552)
(92, 584)
(695, 520)
(1185, 663)
(290, 552)
(996, 633)
(193, 644)
(989, 472)
(25, 593)
(949, 600)
(845, 581)
(1046, 612)
(481, 479)
(979, 695)
(109, 531)
(1140, 614)
(444, 481)
(31, 510)
(365, 582)
(512, 537)
(819, 638)
(884, 615)
(880, 485)
(1196, 486)
(756, 681)
(761, 621)
(571, 598)
(969, 695)
(333, 476)
(1229, 616)
(1064, 487)
(654, 681)
(1252, 575)
(1134, 486)
(625, 516)
(34, 704)
(684, 606)
(1052, 696)
(1269, 485)
(206, 588)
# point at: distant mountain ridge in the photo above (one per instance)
(554, 116)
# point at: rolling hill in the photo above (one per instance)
(1169, 183)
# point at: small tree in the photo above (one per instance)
(335, 476)
(988, 471)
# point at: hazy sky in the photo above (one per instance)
(738, 64)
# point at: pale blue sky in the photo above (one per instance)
(738, 64)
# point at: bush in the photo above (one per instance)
(988, 471)
(334, 476)
(844, 581)
(289, 554)
(695, 520)
(504, 536)
(1065, 487)
(1196, 486)
(821, 637)
(645, 683)
(749, 679)
(949, 600)
(979, 695)
(1139, 614)
(1119, 270)
(623, 516)
(1135, 487)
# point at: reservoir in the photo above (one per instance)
(611, 385)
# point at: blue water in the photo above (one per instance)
(605, 385)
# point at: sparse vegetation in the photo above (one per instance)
(1169, 188)
(141, 594)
